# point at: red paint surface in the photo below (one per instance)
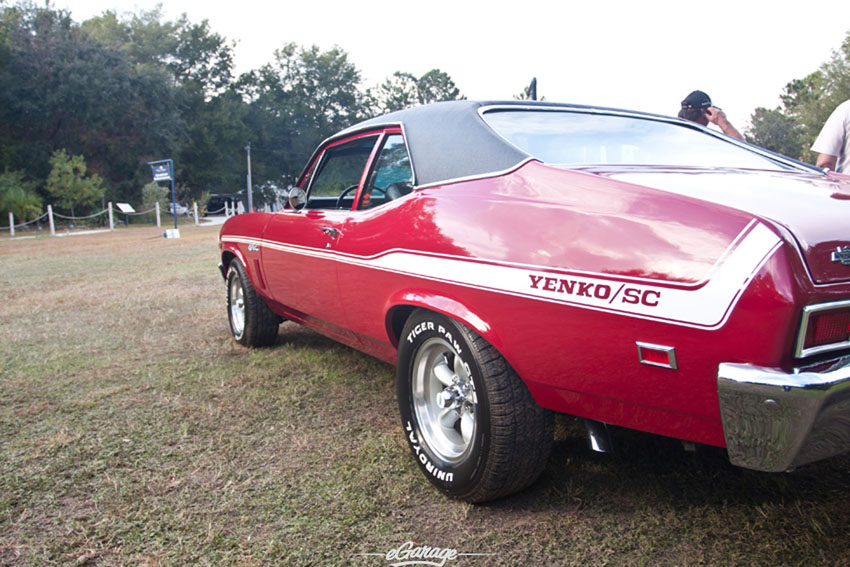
(622, 227)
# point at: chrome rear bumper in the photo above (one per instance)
(775, 421)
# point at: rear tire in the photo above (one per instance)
(473, 426)
(252, 323)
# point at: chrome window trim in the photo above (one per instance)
(793, 165)
(671, 355)
(476, 177)
(808, 310)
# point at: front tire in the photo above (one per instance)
(473, 426)
(252, 323)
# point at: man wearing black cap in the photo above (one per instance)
(697, 108)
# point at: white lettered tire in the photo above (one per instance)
(471, 423)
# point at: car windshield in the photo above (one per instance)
(577, 139)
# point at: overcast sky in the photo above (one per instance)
(639, 55)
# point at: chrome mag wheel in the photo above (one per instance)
(236, 293)
(444, 400)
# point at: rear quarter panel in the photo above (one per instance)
(473, 249)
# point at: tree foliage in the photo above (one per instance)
(153, 193)
(304, 96)
(119, 90)
(68, 184)
(775, 131)
(806, 104)
(62, 89)
(197, 58)
(404, 90)
(18, 196)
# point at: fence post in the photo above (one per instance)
(11, 224)
(158, 222)
(50, 218)
(111, 224)
(195, 206)
(226, 210)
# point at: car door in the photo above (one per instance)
(380, 222)
(300, 252)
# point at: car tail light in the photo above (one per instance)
(824, 327)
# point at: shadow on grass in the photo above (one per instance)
(652, 469)
(643, 467)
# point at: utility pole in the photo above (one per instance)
(250, 197)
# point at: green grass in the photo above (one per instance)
(136, 432)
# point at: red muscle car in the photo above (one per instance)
(513, 259)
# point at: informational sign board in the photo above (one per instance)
(125, 207)
(161, 172)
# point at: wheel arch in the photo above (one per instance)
(228, 255)
(402, 304)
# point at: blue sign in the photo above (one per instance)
(161, 172)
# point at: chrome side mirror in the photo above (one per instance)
(297, 198)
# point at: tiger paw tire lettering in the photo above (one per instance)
(472, 425)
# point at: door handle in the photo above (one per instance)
(331, 231)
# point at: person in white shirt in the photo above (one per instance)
(833, 142)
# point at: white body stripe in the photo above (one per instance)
(706, 304)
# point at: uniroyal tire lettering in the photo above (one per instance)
(432, 469)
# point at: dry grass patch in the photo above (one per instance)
(136, 432)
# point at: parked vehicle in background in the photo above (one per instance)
(180, 209)
(515, 258)
(218, 201)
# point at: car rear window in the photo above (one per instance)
(568, 138)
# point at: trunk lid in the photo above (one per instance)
(815, 208)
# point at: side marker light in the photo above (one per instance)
(657, 355)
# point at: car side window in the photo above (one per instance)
(391, 176)
(335, 181)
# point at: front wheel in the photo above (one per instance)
(472, 425)
(252, 323)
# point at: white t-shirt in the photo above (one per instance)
(834, 137)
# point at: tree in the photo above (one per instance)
(153, 193)
(62, 89)
(396, 93)
(806, 104)
(775, 131)
(195, 56)
(295, 102)
(404, 90)
(436, 86)
(68, 183)
(18, 196)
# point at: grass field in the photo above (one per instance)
(136, 432)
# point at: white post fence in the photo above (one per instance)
(229, 210)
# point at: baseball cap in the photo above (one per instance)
(696, 99)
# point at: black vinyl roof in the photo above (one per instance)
(449, 140)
